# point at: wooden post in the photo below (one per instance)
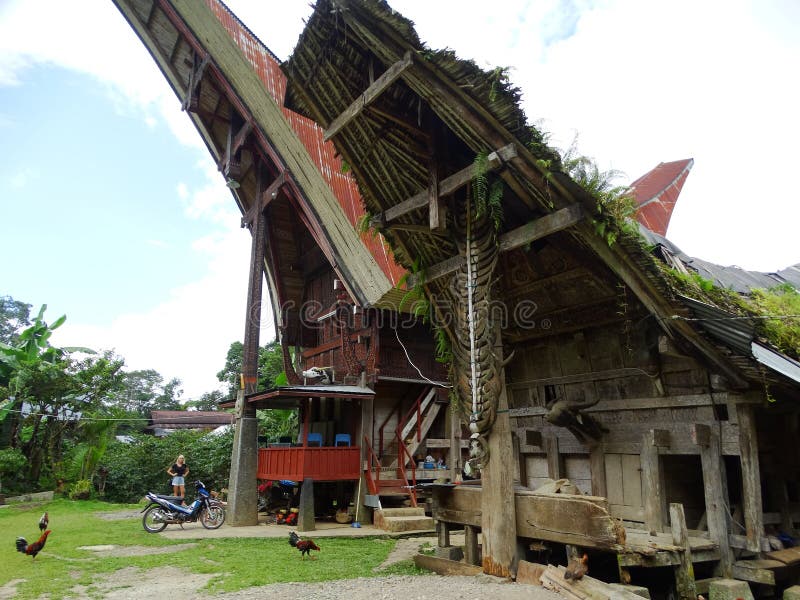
(555, 466)
(243, 497)
(498, 512)
(651, 482)
(471, 554)
(684, 570)
(715, 493)
(454, 456)
(443, 534)
(597, 468)
(365, 431)
(751, 477)
(522, 466)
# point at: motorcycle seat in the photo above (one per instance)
(173, 499)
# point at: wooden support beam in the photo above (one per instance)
(446, 187)
(498, 514)
(263, 200)
(684, 571)
(597, 468)
(651, 483)
(191, 98)
(715, 493)
(751, 477)
(235, 143)
(540, 228)
(370, 94)
(535, 230)
(555, 464)
(522, 461)
(436, 210)
(443, 534)
(471, 553)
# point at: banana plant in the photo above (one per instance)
(31, 347)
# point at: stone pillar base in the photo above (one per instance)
(242, 488)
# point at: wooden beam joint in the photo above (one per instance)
(266, 197)
(370, 94)
(538, 229)
(446, 187)
(191, 99)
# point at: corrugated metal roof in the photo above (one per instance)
(779, 363)
(736, 333)
(657, 191)
(731, 277)
(344, 187)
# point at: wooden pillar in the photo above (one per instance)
(306, 419)
(454, 456)
(243, 496)
(707, 438)
(751, 477)
(443, 534)
(684, 570)
(471, 553)
(651, 481)
(498, 512)
(597, 468)
(555, 464)
(364, 431)
(522, 465)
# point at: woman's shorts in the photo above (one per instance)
(177, 481)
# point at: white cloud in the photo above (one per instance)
(23, 177)
(188, 334)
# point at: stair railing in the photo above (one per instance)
(372, 459)
(403, 456)
(414, 409)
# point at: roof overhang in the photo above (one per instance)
(289, 397)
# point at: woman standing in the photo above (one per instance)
(179, 471)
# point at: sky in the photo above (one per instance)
(112, 212)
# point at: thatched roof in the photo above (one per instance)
(436, 104)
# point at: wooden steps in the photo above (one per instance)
(402, 519)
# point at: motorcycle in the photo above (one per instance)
(163, 510)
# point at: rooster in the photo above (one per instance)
(43, 522)
(305, 546)
(34, 548)
(576, 569)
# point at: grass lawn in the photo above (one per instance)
(235, 563)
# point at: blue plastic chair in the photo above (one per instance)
(342, 439)
(315, 437)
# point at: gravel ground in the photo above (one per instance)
(176, 585)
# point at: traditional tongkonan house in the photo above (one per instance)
(616, 403)
(364, 374)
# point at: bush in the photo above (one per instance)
(140, 466)
(81, 490)
(12, 463)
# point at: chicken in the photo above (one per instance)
(305, 546)
(44, 522)
(577, 568)
(34, 548)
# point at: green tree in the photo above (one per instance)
(14, 315)
(270, 367)
(144, 391)
(208, 401)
